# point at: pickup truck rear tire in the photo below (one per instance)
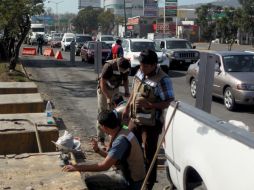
(193, 88)
(229, 99)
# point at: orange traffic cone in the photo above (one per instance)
(58, 55)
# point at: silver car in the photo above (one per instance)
(233, 78)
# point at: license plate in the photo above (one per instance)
(187, 60)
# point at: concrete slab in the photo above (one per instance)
(37, 171)
(18, 136)
(21, 103)
(18, 87)
(39, 118)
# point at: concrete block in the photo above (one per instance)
(18, 87)
(37, 171)
(21, 103)
(17, 133)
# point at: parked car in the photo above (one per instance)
(108, 39)
(179, 51)
(55, 42)
(80, 39)
(132, 48)
(233, 78)
(66, 41)
(87, 52)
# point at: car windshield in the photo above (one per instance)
(57, 39)
(239, 63)
(103, 46)
(177, 44)
(107, 38)
(83, 38)
(69, 39)
(140, 46)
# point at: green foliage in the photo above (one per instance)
(206, 19)
(15, 22)
(88, 20)
(247, 18)
(218, 22)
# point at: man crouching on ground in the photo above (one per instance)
(125, 153)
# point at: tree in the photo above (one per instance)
(206, 21)
(106, 19)
(247, 23)
(228, 24)
(88, 20)
(15, 21)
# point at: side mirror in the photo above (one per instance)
(194, 47)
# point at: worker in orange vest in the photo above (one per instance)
(116, 50)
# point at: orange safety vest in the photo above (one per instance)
(115, 51)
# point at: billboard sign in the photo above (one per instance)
(150, 9)
(171, 8)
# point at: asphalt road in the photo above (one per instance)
(72, 89)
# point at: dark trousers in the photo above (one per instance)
(148, 138)
(39, 49)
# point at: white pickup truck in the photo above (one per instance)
(203, 152)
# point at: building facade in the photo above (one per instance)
(88, 3)
(133, 8)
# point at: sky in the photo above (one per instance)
(71, 6)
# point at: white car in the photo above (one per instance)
(66, 41)
(108, 39)
(134, 46)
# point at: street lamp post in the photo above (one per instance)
(125, 19)
(56, 3)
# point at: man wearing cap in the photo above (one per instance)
(152, 93)
(114, 73)
(124, 153)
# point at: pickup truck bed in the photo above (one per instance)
(204, 152)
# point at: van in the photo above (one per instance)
(66, 41)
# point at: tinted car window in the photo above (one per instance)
(91, 46)
(68, 39)
(140, 46)
(105, 46)
(57, 38)
(239, 63)
(83, 38)
(108, 38)
(178, 44)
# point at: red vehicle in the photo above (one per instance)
(87, 52)
(56, 42)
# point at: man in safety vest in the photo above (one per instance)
(152, 92)
(125, 154)
(116, 50)
(114, 74)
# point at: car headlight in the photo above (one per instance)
(196, 54)
(245, 87)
